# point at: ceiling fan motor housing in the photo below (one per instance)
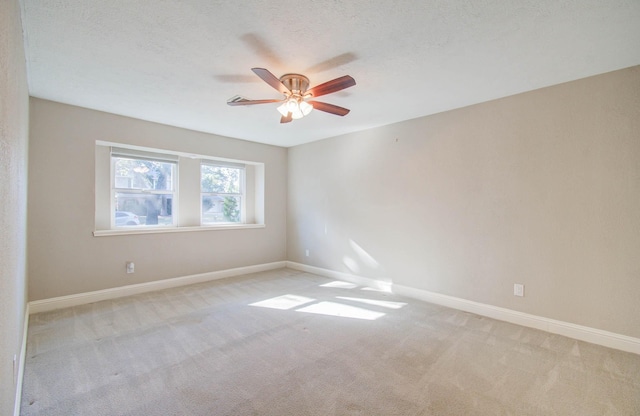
(296, 83)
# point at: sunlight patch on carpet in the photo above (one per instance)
(283, 302)
(339, 284)
(383, 303)
(343, 311)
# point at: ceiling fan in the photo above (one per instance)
(297, 101)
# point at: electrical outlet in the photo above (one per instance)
(518, 289)
(306, 252)
(15, 368)
(131, 267)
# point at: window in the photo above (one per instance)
(222, 193)
(143, 186)
(142, 190)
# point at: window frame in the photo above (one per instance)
(242, 194)
(187, 201)
(125, 153)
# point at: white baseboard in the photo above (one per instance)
(579, 332)
(46, 305)
(21, 360)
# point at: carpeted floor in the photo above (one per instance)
(285, 342)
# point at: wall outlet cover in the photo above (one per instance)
(518, 289)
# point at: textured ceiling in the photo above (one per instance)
(177, 62)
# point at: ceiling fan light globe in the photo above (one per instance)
(292, 105)
(283, 110)
(305, 107)
(296, 114)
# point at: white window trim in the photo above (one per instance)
(158, 230)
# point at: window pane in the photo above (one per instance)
(143, 174)
(219, 209)
(220, 179)
(133, 209)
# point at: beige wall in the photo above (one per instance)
(14, 114)
(541, 188)
(65, 258)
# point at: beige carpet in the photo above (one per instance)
(290, 343)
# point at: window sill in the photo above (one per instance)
(129, 231)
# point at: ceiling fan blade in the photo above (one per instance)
(332, 86)
(243, 101)
(271, 79)
(286, 119)
(329, 108)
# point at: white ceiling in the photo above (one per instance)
(177, 62)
